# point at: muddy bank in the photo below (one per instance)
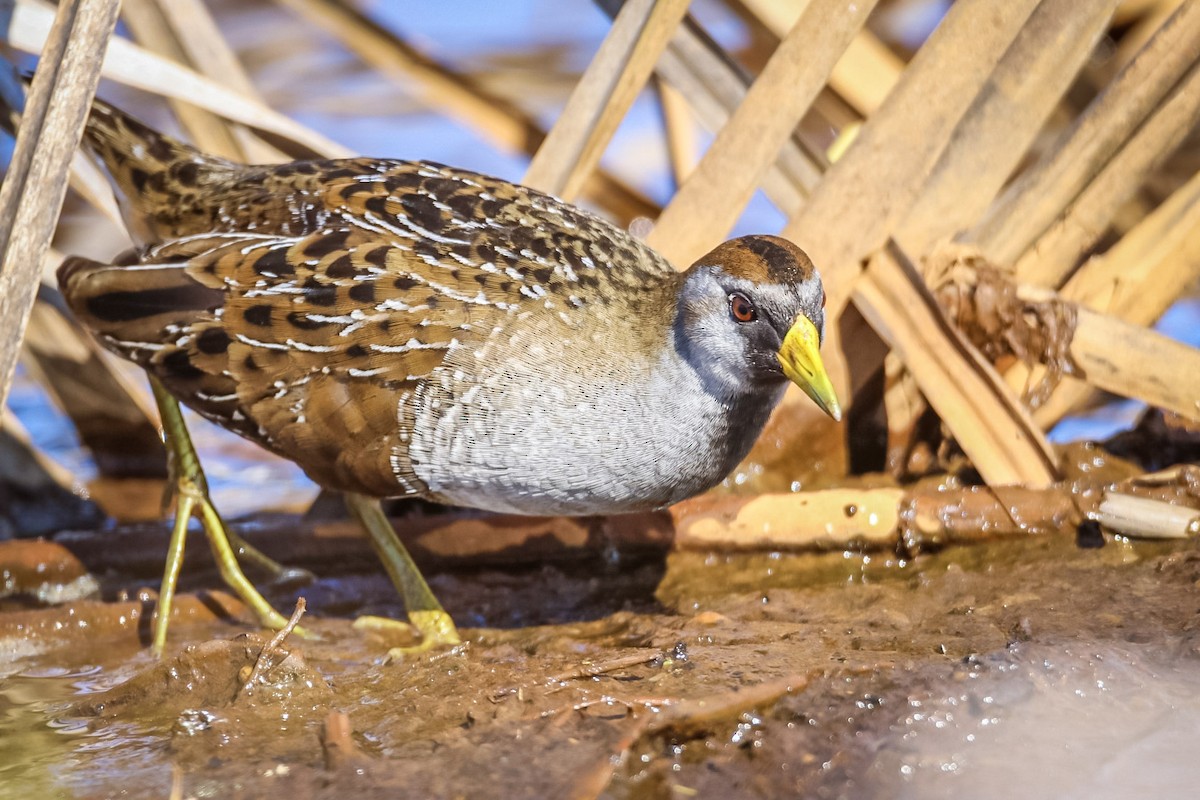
(835, 675)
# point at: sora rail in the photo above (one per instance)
(410, 329)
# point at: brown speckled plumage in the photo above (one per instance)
(409, 328)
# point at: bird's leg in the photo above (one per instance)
(424, 611)
(184, 505)
(192, 496)
(280, 573)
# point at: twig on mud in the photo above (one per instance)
(591, 670)
(689, 718)
(651, 704)
(266, 656)
(176, 783)
(337, 743)
(684, 719)
(584, 670)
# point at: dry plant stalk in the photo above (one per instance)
(683, 147)
(152, 30)
(1037, 325)
(184, 31)
(449, 93)
(1052, 258)
(1144, 17)
(829, 519)
(134, 66)
(110, 415)
(852, 211)
(715, 86)
(924, 517)
(1005, 118)
(1031, 204)
(989, 422)
(1132, 361)
(36, 182)
(865, 73)
(1146, 518)
(867, 192)
(989, 143)
(710, 201)
(51, 469)
(1136, 280)
(603, 95)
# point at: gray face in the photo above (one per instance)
(730, 328)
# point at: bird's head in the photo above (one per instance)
(751, 316)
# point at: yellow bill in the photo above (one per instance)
(800, 356)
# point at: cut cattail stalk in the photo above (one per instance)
(1145, 518)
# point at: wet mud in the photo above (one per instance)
(1029, 666)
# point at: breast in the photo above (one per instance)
(548, 434)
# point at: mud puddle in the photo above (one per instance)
(1022, 668)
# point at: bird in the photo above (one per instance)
(409, 329)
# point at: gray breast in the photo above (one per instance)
(566, 428)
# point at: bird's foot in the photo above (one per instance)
(424, 632)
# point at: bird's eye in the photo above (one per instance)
(741, 308)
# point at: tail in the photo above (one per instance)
(153, 174)
(133, 153)
(112, 136)
(150, 171)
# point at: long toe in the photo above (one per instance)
(425, 631)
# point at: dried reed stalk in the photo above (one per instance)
(709, 203)
(865, 73)
(36, 182)
(1031, 204)
(714, 87)
(133, 66)
(184, 31)
(1136, 280)
(679, 125)
(603, 95)
(1132, 361)
(867, 193)
(1000, 126)
(112, 417)
(152, 30)
(988, 421)
(853, 210)
(1052, 258)
(990, 142)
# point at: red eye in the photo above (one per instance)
(741, 308)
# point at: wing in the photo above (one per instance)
(312, 346)
(317, 334)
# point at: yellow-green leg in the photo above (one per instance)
(192, 498)
(280, 573)
(424, 611)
